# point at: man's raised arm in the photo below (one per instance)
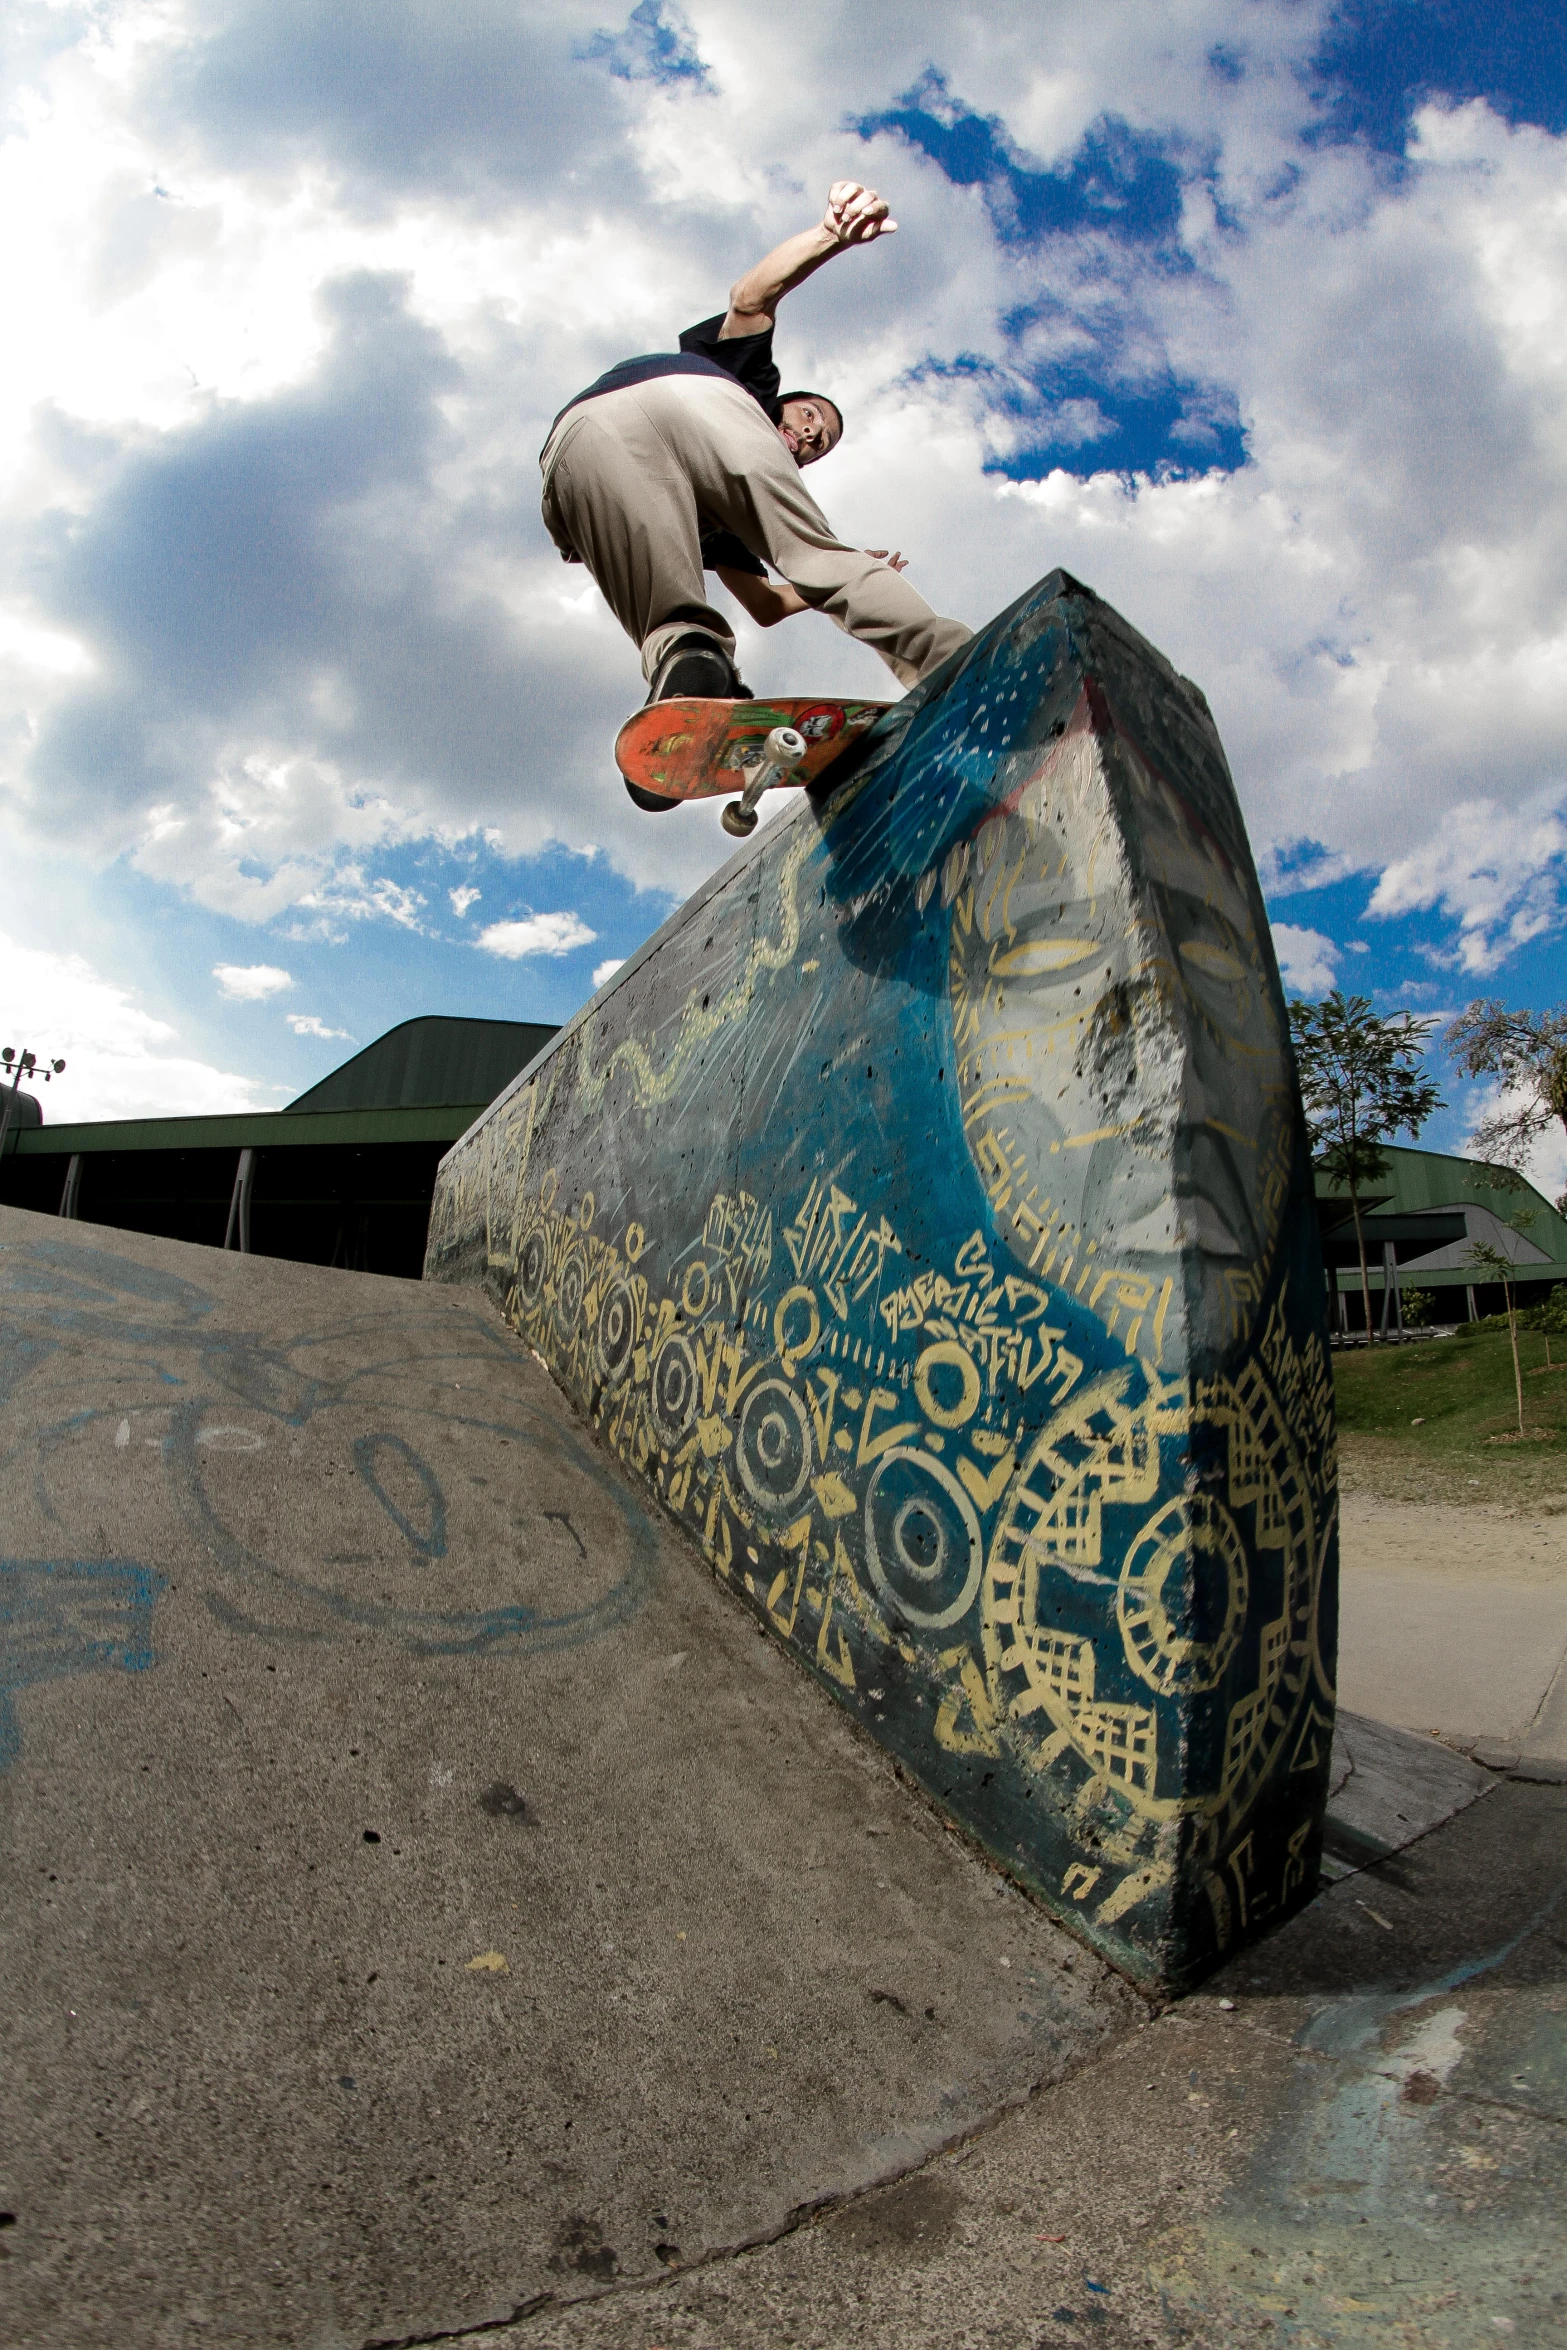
(854, 216)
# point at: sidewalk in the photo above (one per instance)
(1455, 1622)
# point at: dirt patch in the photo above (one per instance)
(917, 2216)
(1479, 1543)
(1527, 1477)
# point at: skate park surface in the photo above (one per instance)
(437, 1911)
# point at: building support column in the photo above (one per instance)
(71, 1196)
(239, 1204)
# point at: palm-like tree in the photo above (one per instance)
(1362, 1081)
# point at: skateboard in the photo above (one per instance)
(699, 750)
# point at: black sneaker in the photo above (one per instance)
(695, 666)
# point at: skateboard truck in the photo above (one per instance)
(783, 750)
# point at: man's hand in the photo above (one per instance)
(856, 215)
(894, 562)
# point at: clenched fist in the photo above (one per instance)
(856, 215)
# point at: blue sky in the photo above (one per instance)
(1247, 311)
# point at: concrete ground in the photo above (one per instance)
(1352, 2136)
(1455, 1622)
(435, 1910)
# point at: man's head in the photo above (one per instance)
(810, 425)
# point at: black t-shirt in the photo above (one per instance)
(748, 358)
(748, 361)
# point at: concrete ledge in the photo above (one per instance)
(924, 1219)
(1539, 1770)
(1390, 1787)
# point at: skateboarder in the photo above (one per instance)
(688, 459)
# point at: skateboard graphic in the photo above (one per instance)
(699, 750)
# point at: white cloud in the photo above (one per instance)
(607, 970)
(1495, 868)
(1547, 1167)
(358, 897)
(310, 1024)
(537, 934)
(306, 319)
(120, 1061)
(1546, 1162)
(250, 983)
(1306, 958)
(463, 898)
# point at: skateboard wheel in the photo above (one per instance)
(740, 821)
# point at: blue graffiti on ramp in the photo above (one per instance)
(66, 1616)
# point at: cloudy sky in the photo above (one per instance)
(1250, 312)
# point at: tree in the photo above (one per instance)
(1498, 1266)
(1361, 1082)
(1528, 1052)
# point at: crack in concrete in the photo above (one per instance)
(1546, 1695)
(1557, 2121)
(473, 2333)
(829, 2201)
(798, 2216)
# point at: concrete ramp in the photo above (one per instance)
(924, 1219)
(426, 1896)
(429, 1899)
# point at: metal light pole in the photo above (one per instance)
(17, 1064)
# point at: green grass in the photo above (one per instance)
(1461, 1389)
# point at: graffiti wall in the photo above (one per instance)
(924, 1216)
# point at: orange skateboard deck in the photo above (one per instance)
(701, 750)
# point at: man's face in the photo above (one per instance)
(808, 429)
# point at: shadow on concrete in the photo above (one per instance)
(1484, 1900)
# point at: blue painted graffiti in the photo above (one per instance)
(67, 1616)
(149, 1332)
(368, 1451)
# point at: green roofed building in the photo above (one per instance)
(342, 1176)
(1421, 1223)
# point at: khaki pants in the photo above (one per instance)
(626, 477)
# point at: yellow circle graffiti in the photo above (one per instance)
(635, 1242)
(1188, 1559)
(791, 1352)
(696, 1306)
(587, 1211)
(947, 1415)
